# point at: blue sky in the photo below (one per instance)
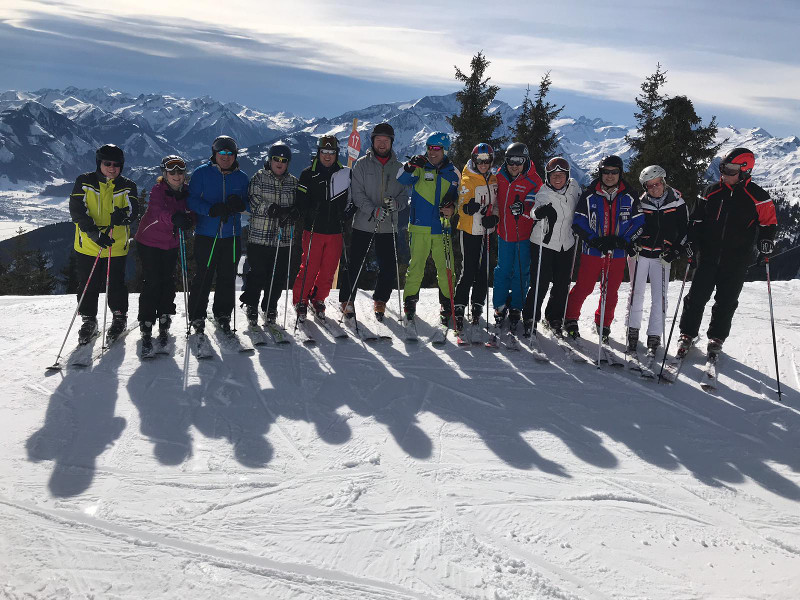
(737, 60)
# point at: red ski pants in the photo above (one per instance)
(317, 267)
(590, 270)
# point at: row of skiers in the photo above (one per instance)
(541, 222)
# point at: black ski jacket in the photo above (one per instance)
(322, 196)
(665, 226)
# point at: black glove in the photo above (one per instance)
(120, 216)
(632, 250)
(179, 194)
(766, 247)
(289, 214)
(220, 209)
(415, 162)
(541, 211)
(517, 208)
(597, 243)
(670, 254)
(490, 221)
(181, 220)
(101, 238)
(620, 243)
(471, 207)
(274, 210)
(235, 203)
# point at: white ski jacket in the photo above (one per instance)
(555, 231)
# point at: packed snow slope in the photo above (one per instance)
(392, 470)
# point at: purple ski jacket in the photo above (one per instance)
(155, 228)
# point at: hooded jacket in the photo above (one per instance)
(555, 231)
(600, 213)
(156, 228)
(209, 186)
(93, 199)
(371, 182)
(431, 188)
(484, 189)
(524, 187)
(322, 197)
(266, 189)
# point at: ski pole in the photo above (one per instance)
(519, 259)
(288, 271)
(184, 278)
(108, 278)
(630, 302)
(448, 247)
(235, 273)
(208, 262)
(354, 287)
(486, 235)
(536, 295)
(274, 266)
(603, 293)
(305, 273)
(674, 318)
(395, 218)
(571, 272)
(772, 324)
(56, 366)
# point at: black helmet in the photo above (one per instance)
(109, 152)
(224, 142)
(281, 150)
(612, 161)
(382, 129)
(328, 142)
(517, 150)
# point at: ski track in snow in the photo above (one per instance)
(384, 470)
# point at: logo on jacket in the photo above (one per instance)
(429, 176)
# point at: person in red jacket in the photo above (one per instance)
(157, 247)
(730, 218)
(517, 185)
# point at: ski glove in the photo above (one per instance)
(390, 204)
(670, 254)
(471, 207)
(274, 210)
(289, 214)
(415, 162)
(181, 220)
(220, 209)
(120, 216)
(632, 250)
(380, 214)
(490, 221)
(766, 246)
(517, 208)
(619, 242)
(101, 238)
(235, 203)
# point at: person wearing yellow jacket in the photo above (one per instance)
(102, 205)
(476, 221)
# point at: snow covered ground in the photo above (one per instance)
(397, 470)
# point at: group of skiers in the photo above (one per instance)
(540, 227)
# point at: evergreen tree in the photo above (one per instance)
(69, 274)
(651, 104)
(474, 124)
(27, 273)
(534, 125)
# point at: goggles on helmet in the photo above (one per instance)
(730, 169)
(556, 165)
(175, 165)
(516, 160)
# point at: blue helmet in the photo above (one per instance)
(437, 138)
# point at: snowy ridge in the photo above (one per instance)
(398, 470)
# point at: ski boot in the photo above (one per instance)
(605, 333)
(459, 317)
(513, 318)
(318, 308)
(633, 340)
(713, 349)
(271, 316)
(87, 330)
(118, 322)
(146, 330)
(302, 310)
(653, 342)
(555, 326)
(475, 315)
(199, 326)
(251, 312)
(410, 309)
(685, 342)
(527, 327)
(571, 329)
(164, 321)
(223, 324)
(500, 316)
(444, 314)
(380, 310)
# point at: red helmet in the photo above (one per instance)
(482, 151)
(738, 159)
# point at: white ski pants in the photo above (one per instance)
(657, 272)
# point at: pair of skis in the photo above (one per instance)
(85, 354)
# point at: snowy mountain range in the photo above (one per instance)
(49, 136)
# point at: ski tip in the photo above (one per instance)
(54, 368)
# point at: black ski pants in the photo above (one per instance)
(556, 269)
(727, 276)
(387, 267)
(158, 282)
(117, 290)
(222, 265)
(262, 259)
(474, 258)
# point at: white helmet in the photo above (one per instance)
(652, 172)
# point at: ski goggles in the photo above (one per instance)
(652, 186)
(328, 152)
(516, 161)
(112, 164)
(609, 171)
(176, 165)
(280, 159)
(730, 169)
(483, 158)
(225, 152)
(556, 165)
(435, 148)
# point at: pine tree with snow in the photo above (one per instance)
(534, 125)
(651, 104)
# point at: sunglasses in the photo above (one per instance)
(175, 166)
(609, 171)
(484, 161)
(111, 163)
(225, 152)
(730, 169)
(328, 152)
(652, 186)
(435, 148)
(516, 160)
(280, 159)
